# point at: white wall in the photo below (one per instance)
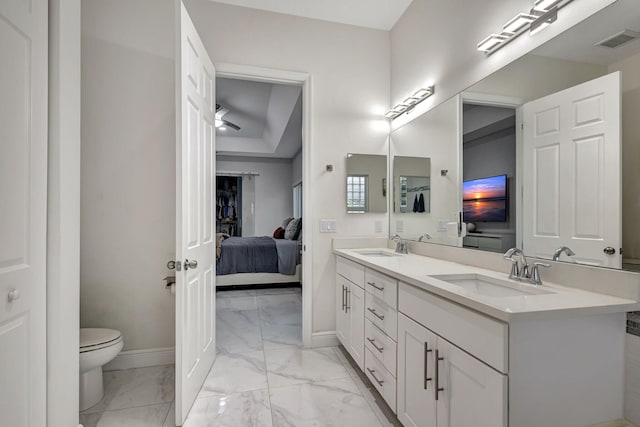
(435, 43)
(349, 69)
(128, 169)
(273, 194)
(630, 69)
(63, 214)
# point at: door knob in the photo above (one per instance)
(190, 264)
(609, 250)
(13, 295)
(174, 265)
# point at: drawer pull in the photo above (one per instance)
(373, 343)
(373, 311)
(427, 350)
(438, 389)
(372, 372)
(374, 285)
(348, 300)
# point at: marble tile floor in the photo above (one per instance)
(259, 378)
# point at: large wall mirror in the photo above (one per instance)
(366, 183)
(542, 154)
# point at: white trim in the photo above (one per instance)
(324, 339)
(142, 358)
(270, 75)
(491, 100)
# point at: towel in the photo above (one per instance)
(421, 203)
(416, 205)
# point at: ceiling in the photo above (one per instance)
(577, 43)
(377, 14)
(269, 116)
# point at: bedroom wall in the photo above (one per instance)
(273, 195)
(128, 169)
(349, 69)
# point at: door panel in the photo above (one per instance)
(23, 195)
(572, 172)
(473, 395)
(416, 401)
(195, 174)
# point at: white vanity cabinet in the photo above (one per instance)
(350, 303)
(440, 385)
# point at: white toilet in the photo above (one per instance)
(97, 347)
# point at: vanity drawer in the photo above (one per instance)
(383, 381)
(350, 270)
(382, 286)
(381, 346)
(382, 315)
(479, 335)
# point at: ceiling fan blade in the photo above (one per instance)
(231, 125)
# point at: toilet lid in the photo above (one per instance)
(90, 337)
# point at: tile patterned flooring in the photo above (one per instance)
(262, 376)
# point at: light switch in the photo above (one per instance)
(378, 226)
(328, 225)
(442, 225)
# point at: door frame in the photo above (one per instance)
(504, 102)
(270, 75)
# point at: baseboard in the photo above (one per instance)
(616, 423)
(324, 339)
(142, 358)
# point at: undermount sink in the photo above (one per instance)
(490, 286)
(376, 253)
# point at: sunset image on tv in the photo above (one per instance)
(485, 199)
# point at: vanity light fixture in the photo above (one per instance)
(543, 13)
(410, 102)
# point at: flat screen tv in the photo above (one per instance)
(485, 199)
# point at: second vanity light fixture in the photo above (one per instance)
(544, 13)
(409, 103)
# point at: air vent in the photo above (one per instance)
(619, 39)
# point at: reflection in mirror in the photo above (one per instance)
(366, 183)
(575, 182)
(411, 184)
(428, 144)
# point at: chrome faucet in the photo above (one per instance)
(521, 273)
(401, 244)
(424, 236)
(560, 250)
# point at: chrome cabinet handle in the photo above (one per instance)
(344, 303)
(427, 350)
(438, 388)
(373, 311)
(190, 264)
(348, 300)
(373, 343)
(372, 372)
(374, 285)
(13, 295)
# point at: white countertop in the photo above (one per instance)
(418, 270)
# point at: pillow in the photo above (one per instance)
(286, 222)
(298, 230)
(279, 233)
(292, 229)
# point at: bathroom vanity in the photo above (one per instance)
(448, 344)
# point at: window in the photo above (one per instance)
(357, 193)
(403, 193)
(297, 200)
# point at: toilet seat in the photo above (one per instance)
(92, 339)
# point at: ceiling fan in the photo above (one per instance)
(220, 122)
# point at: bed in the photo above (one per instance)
(258, 260)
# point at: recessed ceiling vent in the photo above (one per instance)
(619, 39)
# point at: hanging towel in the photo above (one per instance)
(416, 205)
(421, 203)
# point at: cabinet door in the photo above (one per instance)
(473, 394)
(416, 368)
(342, 318)
(355, 311)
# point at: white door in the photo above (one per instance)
(472, 394)
(342, 318)
(416, 367)
(572, 173)
(355, 311)
(195, 220)
(23, 210)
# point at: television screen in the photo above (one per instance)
(485, 199)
